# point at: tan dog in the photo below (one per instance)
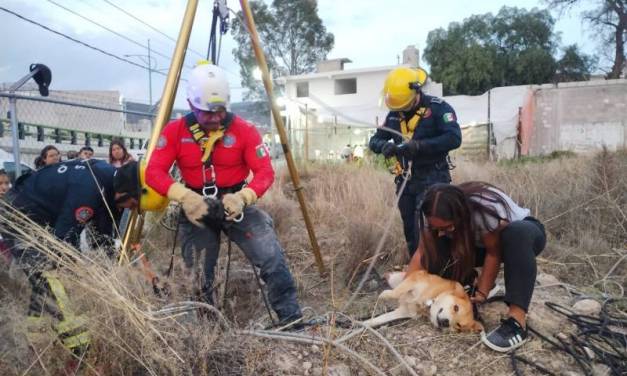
(448, 303)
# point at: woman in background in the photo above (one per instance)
(49, 155)
(118, 155)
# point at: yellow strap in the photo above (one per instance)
(408, 127)
(207, 145)
(214, 136)
(60, 295)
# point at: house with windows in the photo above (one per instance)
(334, 107)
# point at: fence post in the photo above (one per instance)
(40, 133)
(87, 139)
(73, 137)
(100, 140)
(1, 129)
(57, 136)
(132, 143)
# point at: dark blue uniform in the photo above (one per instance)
(65, 196)
(437, 133)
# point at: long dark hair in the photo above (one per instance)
(40, 160)
(458, 204)
(118, 142)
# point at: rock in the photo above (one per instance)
(411, 361)
(285, 362)
(427, 368)
(601, 370)
(315, 348)
(307, 366)
(431, 371)
(588, 307)
(339, 370)
(544, 279)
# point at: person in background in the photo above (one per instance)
(118, 155)
(476, 224)
(72, 154)
(86, 152)
(5, 183)
(48, 155)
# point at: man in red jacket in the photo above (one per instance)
(215, 151)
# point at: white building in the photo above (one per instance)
(334, 107)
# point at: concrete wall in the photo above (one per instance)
(580, 116)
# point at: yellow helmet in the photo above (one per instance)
(130, 182)
(149, 199)
(401, 86)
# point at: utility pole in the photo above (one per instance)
(149, 75)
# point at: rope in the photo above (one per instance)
(406, 176)
(176, 232)
(226, 278)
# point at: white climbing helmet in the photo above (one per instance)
(207, 87)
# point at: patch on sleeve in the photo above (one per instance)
(261, 151)
(83, 214)
(437, 100)
(449, 117)
(162, 142)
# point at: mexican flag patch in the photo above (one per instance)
(261, 151)
(448, 117)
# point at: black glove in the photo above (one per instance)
(389, 149)
(215, 214)
(409, 149)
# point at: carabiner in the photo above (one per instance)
(210, 191)
(237, 219)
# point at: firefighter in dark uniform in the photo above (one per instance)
(430, 130)
(65, 197)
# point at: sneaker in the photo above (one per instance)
(509, 336)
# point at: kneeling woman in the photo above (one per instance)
(476, 224)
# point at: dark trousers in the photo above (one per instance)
(521, 242)
(412, 197)
(255, 236)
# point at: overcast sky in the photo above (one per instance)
(369, 32)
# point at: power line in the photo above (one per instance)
(80, 42)
(108, 29)
(162, 33)
(148, 25)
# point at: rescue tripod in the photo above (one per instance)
(225, 230)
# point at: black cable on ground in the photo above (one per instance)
(594, 335)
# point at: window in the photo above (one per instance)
(302, 89)
(346, 86)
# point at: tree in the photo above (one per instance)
(609, 18)
(574, 66)
(515, 47)
(292, 37)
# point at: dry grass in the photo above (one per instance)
(582, 200)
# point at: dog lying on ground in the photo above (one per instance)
(445, 300)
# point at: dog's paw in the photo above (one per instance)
(386, 295)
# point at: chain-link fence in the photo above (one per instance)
(71, 120)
